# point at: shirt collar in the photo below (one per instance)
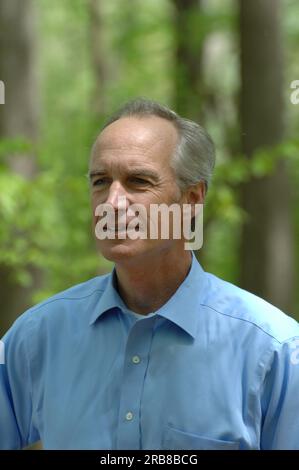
(181, 309)
(109, 299)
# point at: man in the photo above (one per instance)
(158, 354)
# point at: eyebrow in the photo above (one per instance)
(132, 172)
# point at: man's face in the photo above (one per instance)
(131, 162)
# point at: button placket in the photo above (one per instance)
(137, 347)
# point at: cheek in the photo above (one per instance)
(96, 199)
(94, 203)
(154, 196)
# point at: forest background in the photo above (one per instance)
(65, 65)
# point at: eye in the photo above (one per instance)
(135, 179)
(99, 182)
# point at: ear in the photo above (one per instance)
(195, 197)
(196, 194)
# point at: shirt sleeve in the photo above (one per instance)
(16, 423)
(280, 399)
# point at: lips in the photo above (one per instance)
(117, 229)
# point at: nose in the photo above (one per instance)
(117, 196)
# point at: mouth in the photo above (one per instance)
(121, 229)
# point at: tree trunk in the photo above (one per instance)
(267, 241)
(98, 62)
(188, 56)
(18, 118)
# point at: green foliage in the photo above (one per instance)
(46, 221)
(14, 146)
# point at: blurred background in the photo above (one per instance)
(228, 64)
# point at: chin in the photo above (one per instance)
(134, 250)
(119, 250)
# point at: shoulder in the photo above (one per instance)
(76, 293)
(247, 310)
(75, 302)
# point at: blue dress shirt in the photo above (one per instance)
(213, 368)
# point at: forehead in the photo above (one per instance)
(148, 140)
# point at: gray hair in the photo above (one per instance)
(194, 156)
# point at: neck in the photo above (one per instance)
(147, 284)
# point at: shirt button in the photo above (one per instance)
(129, 416)
(136, 359)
